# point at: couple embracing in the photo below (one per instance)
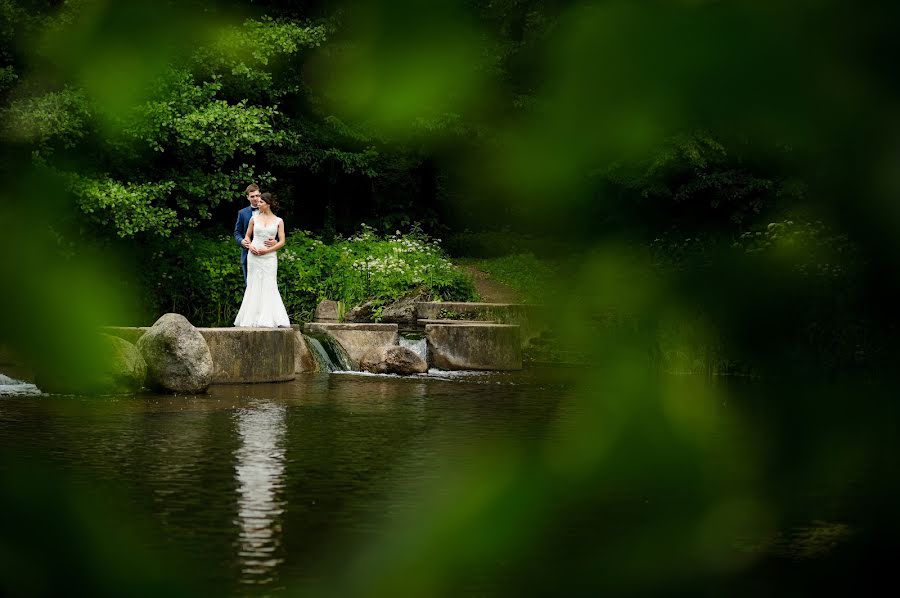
(260, 233)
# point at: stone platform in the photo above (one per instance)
(532, 319)
(479, 346)
(240, 355)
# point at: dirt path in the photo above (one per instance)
(491, 291)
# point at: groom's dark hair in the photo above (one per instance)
(251, 188)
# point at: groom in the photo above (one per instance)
(243, 222)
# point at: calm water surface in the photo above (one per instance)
(253, 486)
(258, 489)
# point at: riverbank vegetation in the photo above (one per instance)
(201, 279)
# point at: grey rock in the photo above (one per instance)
(327, 311)
(178, 358)
(393, 359)
(403, 311)
(364, 312)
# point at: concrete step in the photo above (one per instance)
(479, 346)
(533, 319)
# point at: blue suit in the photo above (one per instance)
(240, 231)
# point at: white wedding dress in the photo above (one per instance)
(262, 305)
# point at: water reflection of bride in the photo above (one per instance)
(259, 471)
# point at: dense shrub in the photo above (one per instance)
(201, 277)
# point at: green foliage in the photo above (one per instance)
(367, 267)
(497, 243)
(244, 55)
(535, 278)
(126, 208)
(55, 119)
(812, 250)
(201, 277)
(198, 277)
(384, 268)
(211, 124)
(8, 78)
(694, 182)
(816, 250)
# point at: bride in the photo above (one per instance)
(262, 305)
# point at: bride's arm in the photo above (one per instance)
(249, 237)
(280, 242)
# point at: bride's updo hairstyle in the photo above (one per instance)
(270, 199)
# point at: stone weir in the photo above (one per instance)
(530, 319)
(253, 355)
(239, 355)
(355, 339)
(474, 346)
(452, 345)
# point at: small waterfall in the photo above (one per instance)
(415, 343)
(328, 353)
(12, 387)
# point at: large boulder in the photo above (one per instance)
(364, 312)
(403, 311)
(178, 358)
(111, 365)
(393, 359)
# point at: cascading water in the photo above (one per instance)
(12, 387)
(330, 355)
(415, 343)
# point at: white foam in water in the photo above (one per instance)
(12, 387)
(433, 374)
(418, 346)
(456, 373)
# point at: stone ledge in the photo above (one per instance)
(249, 355)
(532, 318)
(240, 355)
(323, 326)
(474, 346)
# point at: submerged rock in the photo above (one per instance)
(393, 359)
(178, 358)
